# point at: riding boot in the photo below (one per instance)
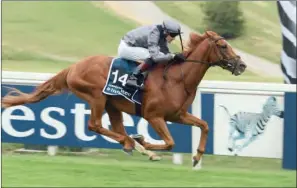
(133, 79)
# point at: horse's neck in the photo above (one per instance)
(194, 72)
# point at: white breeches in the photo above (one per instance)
(132, 53)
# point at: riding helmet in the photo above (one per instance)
(171, 27)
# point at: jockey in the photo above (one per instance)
(149, 44)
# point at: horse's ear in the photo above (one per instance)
(210, 33)
(194, 37)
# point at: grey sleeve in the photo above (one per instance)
(154, 49)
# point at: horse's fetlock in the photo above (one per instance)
(201, 150)
(170, 145)
(92, 128)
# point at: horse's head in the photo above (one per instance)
(218, 53)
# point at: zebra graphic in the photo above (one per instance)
(248, 125)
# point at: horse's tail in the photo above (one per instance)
(226, 110)
(53, 86)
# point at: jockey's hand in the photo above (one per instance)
(179, 57)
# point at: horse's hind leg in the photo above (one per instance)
(97, 102)
(97, 107)
(116, 120)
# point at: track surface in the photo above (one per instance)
(114, 168)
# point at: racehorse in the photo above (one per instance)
(163, 99)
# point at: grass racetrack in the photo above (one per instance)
(48, 36)
(114, 168)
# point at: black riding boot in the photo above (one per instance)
(133, 79)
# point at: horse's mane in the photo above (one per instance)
(194, 40)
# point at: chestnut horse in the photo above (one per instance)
(163, 99)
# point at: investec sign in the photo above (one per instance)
(62, 120)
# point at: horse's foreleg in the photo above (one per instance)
(160, 127)
(189, 119)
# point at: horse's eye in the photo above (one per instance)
(224, 46)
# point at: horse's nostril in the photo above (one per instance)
(242, 65)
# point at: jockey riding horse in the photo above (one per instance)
(150, 45)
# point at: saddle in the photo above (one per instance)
(118, 74)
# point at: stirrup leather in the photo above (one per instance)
(133, 81)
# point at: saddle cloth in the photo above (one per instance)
(117, 77)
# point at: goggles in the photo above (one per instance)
(173, 34)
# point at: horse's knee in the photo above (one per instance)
(204, 127)
(170, 145)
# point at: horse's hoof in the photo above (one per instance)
(136, 136)
(128, 151)
(195, 161)
(155, 158)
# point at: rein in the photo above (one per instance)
(189, 60)
(204, 62)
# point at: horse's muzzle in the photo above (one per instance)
(240, 68)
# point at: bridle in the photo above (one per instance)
(223, 61)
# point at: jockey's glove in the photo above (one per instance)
(179, 57)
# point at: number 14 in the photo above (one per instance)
(122, 79)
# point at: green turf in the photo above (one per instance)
(262, 36)
(28, 61)
(63, 28)
(217, 73)
(114, 168)
(49, 36)
(14, 60)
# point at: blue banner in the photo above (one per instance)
(289, 149)
(62, 120)
(207, 114)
